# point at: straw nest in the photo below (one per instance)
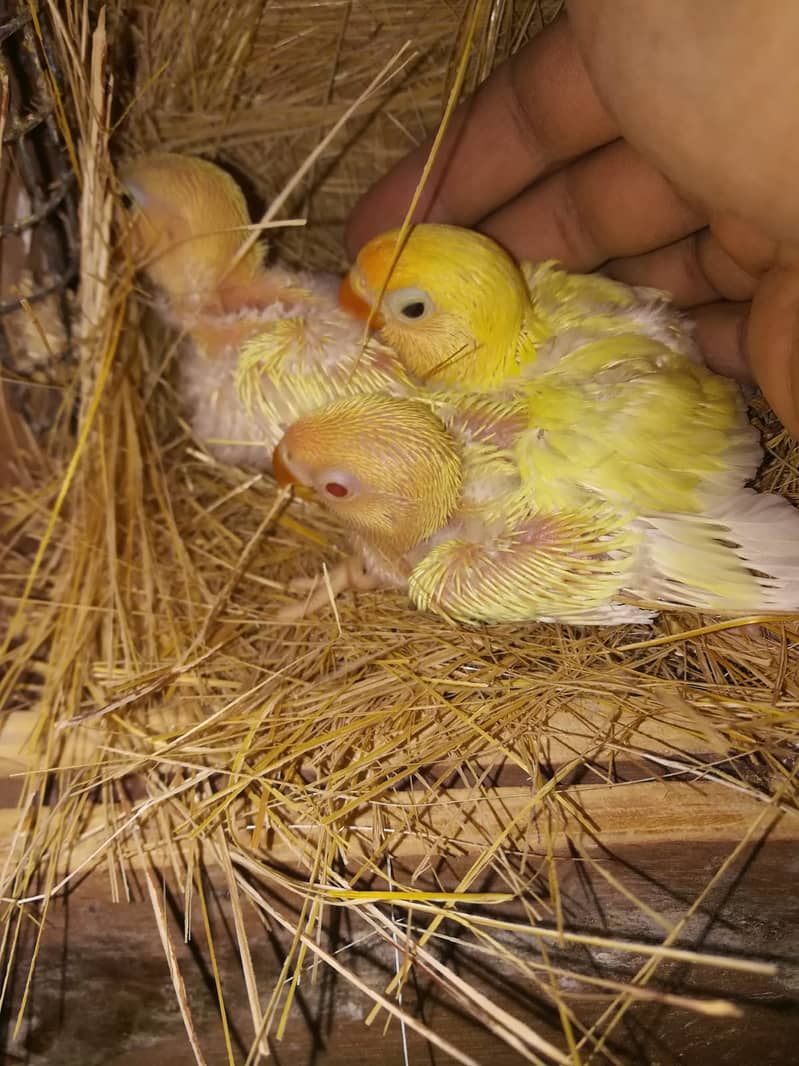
(356, 759)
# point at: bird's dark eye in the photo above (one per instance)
(409, 303)
(127, 200)
(335, 488)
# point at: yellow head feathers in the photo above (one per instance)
(455, 305)
(387, 467)
(187, 221)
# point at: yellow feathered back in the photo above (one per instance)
(637, 424)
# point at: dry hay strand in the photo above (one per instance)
(435, 784)
(254, 86)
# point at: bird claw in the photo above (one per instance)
(351, 574)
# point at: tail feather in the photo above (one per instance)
(742, 555)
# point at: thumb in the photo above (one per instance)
(772, 342)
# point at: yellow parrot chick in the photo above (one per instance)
(435, 504)
(438, 307)
(462, 313)
(262, 344)
(187, 220)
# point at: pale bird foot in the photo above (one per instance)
(351, 574)
(303, 584)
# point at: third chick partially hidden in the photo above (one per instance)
(263, 344)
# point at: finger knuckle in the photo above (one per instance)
(580, 246)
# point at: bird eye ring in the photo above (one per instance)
(335, 488)
(410, 304)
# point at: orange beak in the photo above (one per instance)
(283, 476)
(351, 302)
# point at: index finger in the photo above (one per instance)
(535, 113)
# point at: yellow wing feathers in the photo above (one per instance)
(496, 553)
(636, 424)
(567, 567)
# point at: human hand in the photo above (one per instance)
(576, 149)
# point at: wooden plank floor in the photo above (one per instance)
(102, 992)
